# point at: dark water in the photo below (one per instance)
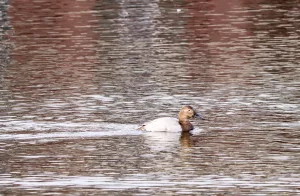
(77, 77)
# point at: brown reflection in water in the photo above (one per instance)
(53, 40)
(276, 29)
(233, 38)
(216, 32)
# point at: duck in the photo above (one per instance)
(170, 124)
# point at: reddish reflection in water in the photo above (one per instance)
(52, 34)
(54, 51)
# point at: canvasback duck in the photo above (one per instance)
(170, 124)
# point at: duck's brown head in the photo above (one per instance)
(187, 112)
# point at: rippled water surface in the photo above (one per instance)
(78, 77)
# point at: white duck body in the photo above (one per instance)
(168, 124)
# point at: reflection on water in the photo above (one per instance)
(77, 77)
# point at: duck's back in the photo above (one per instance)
(163, 124)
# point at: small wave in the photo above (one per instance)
(44, 130)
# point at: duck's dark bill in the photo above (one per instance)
(196, 115)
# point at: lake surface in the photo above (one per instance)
(78, 77)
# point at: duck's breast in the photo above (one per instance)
(163, 124)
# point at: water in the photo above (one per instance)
(78, 77)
